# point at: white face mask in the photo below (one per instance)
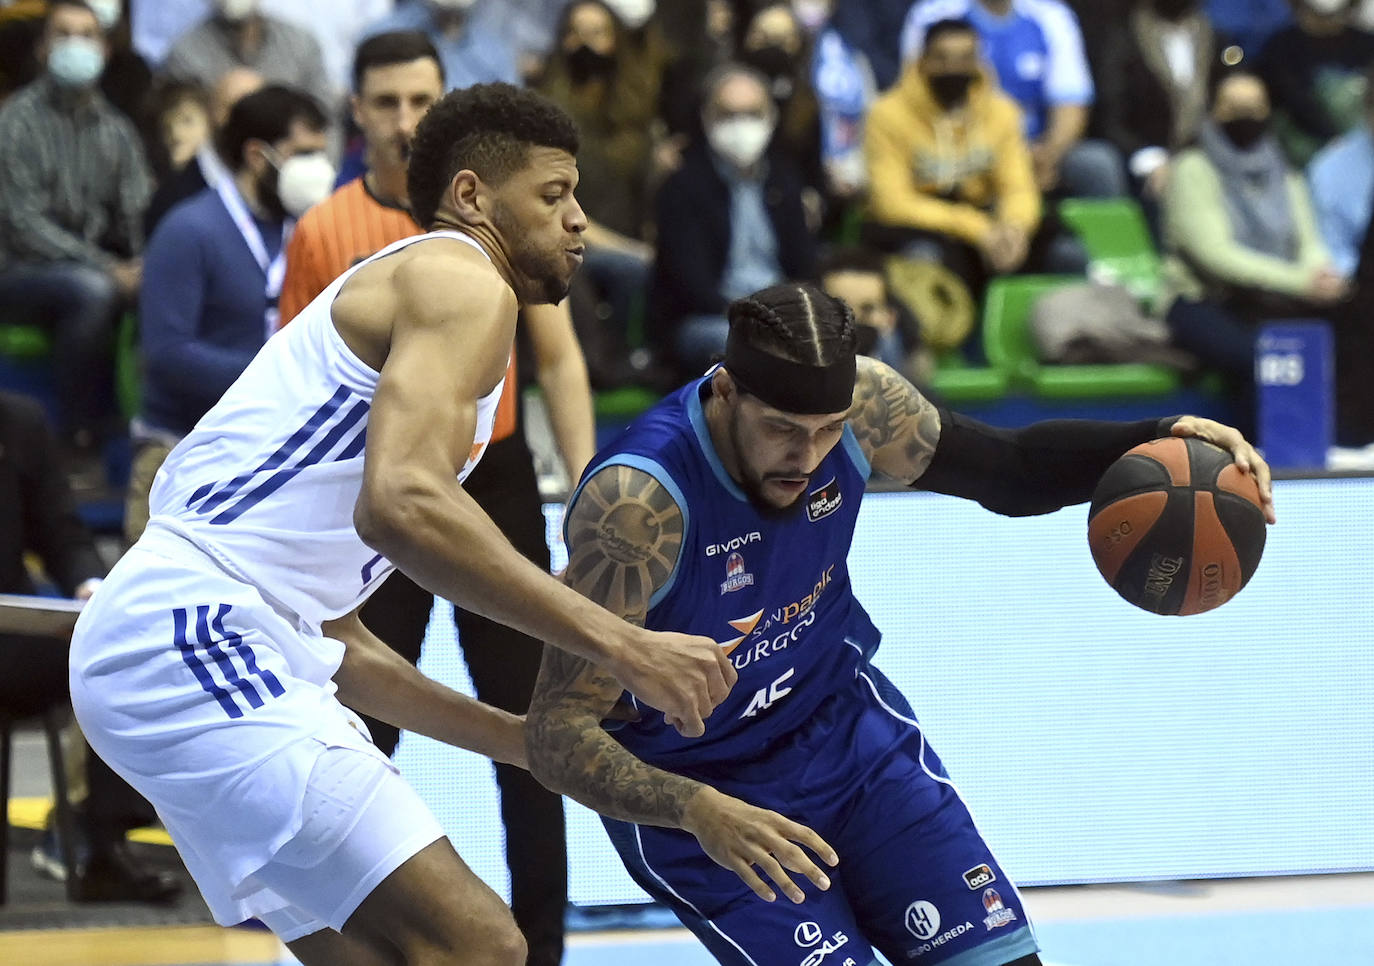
(633, 13)
(236, 10)
(740, 140)
(303, 181)
(106, 11)
(76, 61)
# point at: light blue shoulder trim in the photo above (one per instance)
(856, 452)
(697, 415)
(656, 470)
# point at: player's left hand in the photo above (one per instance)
(1246, 458)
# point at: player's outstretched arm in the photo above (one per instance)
(443, 355)
(1036, 469)
(624, 533)
(375, 680)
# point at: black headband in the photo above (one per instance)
(792, 387)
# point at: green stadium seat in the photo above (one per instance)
(955, 381)
(128, 372)
(1118, 242)
(1007, 343)
(24, 343)
(622, 404)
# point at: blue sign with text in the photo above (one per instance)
(1295, 372)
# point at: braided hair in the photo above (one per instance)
(796, 321)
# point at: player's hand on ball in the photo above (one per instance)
(1246, 458)
(683, 675)
(741, 838)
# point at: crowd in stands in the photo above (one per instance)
(189, 174)
(727, 144)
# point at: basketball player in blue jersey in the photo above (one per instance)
(728, 510)
(210, 668)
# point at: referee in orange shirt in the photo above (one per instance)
(396, 77)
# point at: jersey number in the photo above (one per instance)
(765, 698)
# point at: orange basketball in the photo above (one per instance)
(1175, 527)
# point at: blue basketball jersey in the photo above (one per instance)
(774, 591)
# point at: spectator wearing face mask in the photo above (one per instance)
(1035, 52)
(238, 34)
(1314, 69)
(472, 49)
(1241, 237)
(774, 43)
(951, 171)
(214, 268)
(1153, 82)
(730, 219)
(883, 328)
(612, 95)
(73, 183)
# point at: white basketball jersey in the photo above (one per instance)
(267, 481)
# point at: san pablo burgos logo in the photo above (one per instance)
(998, 914)
(736, 577)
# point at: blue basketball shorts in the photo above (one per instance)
(915, 881)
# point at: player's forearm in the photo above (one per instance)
(569, 393)
(375, 680)
(445, 542)
(574, 756)
(1037, 469)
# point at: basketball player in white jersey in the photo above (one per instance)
(210, 668)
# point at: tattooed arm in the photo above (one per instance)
(898, 429)
(624, 535)
(1036, 469)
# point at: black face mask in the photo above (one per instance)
(1174, 9)
(1244, 132)
(950, 90)
(585, 64)
(772, 60)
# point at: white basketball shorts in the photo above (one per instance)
(220, 709)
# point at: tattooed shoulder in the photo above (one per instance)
(624, 534)
(896, 426)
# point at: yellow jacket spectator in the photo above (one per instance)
(955, 167)
(951, 176)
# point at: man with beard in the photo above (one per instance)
(729, 509)
(213, 667)
(214, 268)
(397, 77)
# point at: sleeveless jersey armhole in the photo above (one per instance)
(856, 452)
(661, 475)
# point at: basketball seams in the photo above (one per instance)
(1175, 527)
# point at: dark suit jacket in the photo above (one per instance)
(1134, 109)
(37, 512)
(184, 183)
(693, 217)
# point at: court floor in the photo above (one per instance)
(1292, 921)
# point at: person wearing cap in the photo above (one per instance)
(728, 510)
